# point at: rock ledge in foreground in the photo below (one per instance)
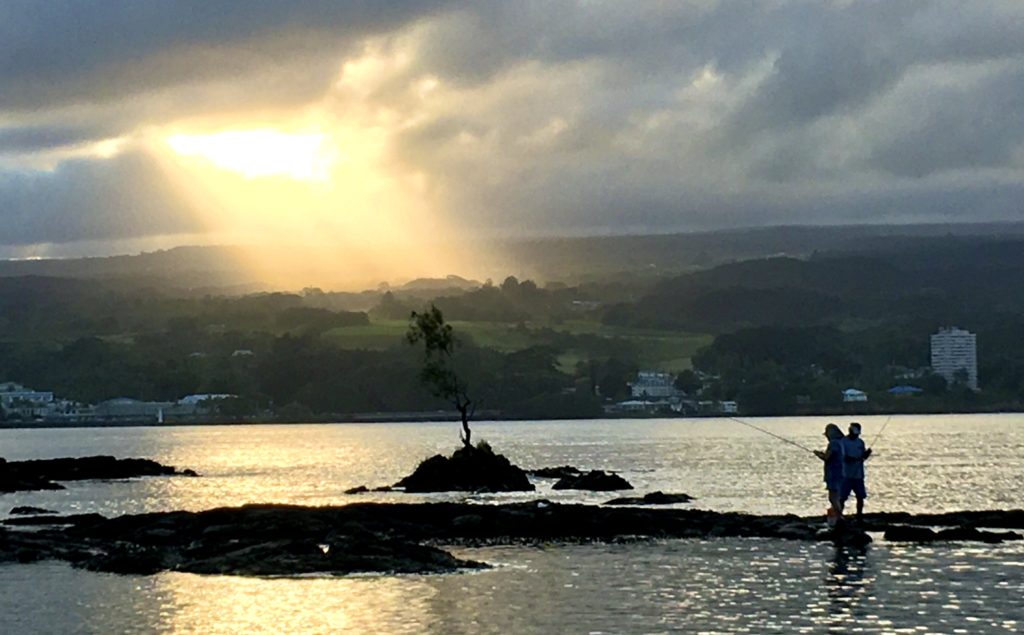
(283, 540)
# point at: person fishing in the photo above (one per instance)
(854, 455)
(833, 458)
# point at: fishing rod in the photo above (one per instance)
(879, 435)
(772, 434)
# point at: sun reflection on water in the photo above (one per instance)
(758, 586)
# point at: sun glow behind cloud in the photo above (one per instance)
(324, 206)
(260, 153)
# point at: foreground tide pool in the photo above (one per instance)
(694, 585)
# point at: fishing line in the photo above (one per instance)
(879, 435)
(772, 434)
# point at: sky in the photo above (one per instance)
(352, 129)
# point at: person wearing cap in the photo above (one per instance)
(854, 455)
(834, 463)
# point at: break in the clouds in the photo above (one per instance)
(529, 117)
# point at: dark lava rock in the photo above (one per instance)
(1002, 519)
(654, 498)
(974, 534)
(375, 537)
(12, 480)
(94, 467)
(595, 481)
(26, 510)
(471, 469)
(562, 471)
(848, 535)
(128, 559)
(40, 474)
(49, 519)
(342, 555)
(909, 533)
(361, 489)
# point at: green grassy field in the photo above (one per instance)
(659, 350)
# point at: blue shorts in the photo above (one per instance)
(855, 485)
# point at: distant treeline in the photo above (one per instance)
(941, 282)
(790, 334)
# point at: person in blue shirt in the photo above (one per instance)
(833, 457)
(854, 455)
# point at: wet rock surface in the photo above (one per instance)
(561, 471)
(28, 510)
(654, 498)
(42, 474)
(405, 538)
(468, 469)
(594, 481)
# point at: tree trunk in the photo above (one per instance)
(464, 411)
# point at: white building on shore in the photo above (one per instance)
(652, 384)
(24, 402)
(955, 355)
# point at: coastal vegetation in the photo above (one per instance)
(778, 335)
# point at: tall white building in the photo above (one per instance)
(955, 350)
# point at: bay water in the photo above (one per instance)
(921, 463)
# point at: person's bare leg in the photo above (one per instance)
(833, 499)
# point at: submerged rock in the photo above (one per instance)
(654, 498)
(469, 469)
(849, 535)
(910, 533)
(562, 471)
(26, 510)
(594, 481)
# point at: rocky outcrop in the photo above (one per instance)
(562, 471)
(363, 489)
(290, 540)
(468, 469)
(654, 498)
(41, 474)
(594, 481)
(28, 510)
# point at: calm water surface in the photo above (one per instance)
(754, 586)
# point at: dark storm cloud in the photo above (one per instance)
(807, 98)
(27, 139)
(561, 116)
(58, 52)
(123, 197)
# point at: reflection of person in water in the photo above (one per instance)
(847, 581)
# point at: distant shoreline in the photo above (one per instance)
(435, 417)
